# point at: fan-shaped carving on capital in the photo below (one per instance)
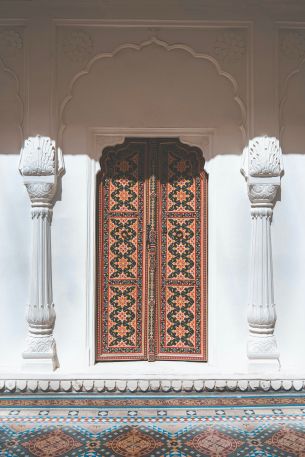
(263, 158)
(38, 157)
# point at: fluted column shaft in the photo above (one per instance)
(40, 311)
(261, 308)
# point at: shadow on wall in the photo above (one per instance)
(11, 112)
(153, 85)
(292, 113)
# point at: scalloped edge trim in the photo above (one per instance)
(146, 385)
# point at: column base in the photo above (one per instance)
(263, 354)
(262, 347)
(263, 366)
(40, 354)
(38, 362)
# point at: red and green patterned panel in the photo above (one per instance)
(181, 226)
(121, 290)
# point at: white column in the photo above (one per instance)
(40, 165)
(262, 168)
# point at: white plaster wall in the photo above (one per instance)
(229, 251)
(289, 254)
(15, 252)
(69, 232)
(226, 72)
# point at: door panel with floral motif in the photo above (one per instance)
(152, 252)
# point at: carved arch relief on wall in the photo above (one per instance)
(11, 100)
(291, 87)
(177, 96)
(152, 252)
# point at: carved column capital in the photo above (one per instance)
(262, 168)
(263, 193)
(41, 165)
(262, 158)
(42, 192)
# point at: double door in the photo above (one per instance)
(151, 252)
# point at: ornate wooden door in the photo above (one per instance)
(152, 252)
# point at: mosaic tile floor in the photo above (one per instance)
(156, 426)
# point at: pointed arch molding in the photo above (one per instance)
(17, 69)
(169, 47)
(18, 96)
(288, 78)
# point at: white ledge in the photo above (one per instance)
(71, 384)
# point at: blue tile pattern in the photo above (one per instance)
(97, 426)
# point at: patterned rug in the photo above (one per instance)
(156, 426)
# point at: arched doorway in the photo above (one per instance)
(152, 252)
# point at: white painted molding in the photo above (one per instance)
(101, 137)
(13, 75)
(154, 41)
(40, 165)
(291, 46)
(262, 168)
(73, 385)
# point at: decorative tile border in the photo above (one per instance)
(151, 408)
(169, 431)
(112, 421)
